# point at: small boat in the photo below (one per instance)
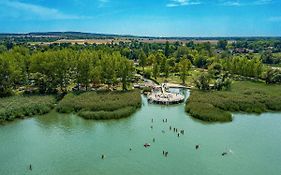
(146, 145)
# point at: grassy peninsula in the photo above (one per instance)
(24, 106)
(244, 96)
(101, 105)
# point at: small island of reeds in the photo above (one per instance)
(244, 96)
(101, 105)
(24, 106)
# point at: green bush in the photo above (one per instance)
(208, 112)
(105, 115)
(245, 96)
(102, 105)
(24, 106)
(146, 89)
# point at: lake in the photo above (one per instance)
(67, 144)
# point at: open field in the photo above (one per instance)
(91, 41)
(127, 40)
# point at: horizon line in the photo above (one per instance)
(143, 36)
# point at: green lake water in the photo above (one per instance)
(67, 144)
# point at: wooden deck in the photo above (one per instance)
(164, 97)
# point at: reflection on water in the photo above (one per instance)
(67, 144)
(66, 122)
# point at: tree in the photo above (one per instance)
(142, 59)
(222, 44)
(207, 47)
(51, 70)
(201, 61)
(150, 59)
(163, 64)
(184, 67)
(96, 74)
(125, 72)
(273, 76)
(223, 82)
(108, 65)
(22, 55)
(240, 65)
(126, 52)
(215, 70)
(167, 49)
(202, 81)
(190, 44)
(6, 76)
(167, 70)
(257, 68)
(2, 49)
(180, 52)
(155, 69)
(267, 57)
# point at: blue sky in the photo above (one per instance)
(144, 17)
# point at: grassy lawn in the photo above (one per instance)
(244, 96)
(102, 105)
(176, 79)
(24, 106)
(170, 79)
(173, 78)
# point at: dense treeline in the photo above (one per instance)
(243, 66)
(60, 68)
(258, 45)
(53, 68)
(56, 69)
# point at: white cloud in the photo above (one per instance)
(262, 2)
(249, 3)
(232, 3)
(176, 3)
(36, 11)
(102, 3)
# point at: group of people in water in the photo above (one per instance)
(165, 153)
(176, 130)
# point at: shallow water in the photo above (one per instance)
(67, 144)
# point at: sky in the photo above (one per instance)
(163, 18)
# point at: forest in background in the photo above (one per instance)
(59, 68)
